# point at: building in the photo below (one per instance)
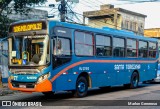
(32, 14)
(4, 60)
(117, 18)
(152, 32)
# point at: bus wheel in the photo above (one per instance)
(134, 80)
(48, 94)
(81, 87)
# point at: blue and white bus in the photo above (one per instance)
(4, 59)
(49, 56)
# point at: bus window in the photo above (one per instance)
(83, 44)
(62, 46)
(131, 48)
(143, 49)
(118, 47)
(103, 46)
(152, 49)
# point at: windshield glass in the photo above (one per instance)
(29, 50)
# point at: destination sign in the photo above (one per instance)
(31, 26)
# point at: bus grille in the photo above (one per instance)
(25, 71)
(26, 84)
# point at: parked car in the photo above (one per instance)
(157, 79)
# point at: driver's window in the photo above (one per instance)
(62, 46)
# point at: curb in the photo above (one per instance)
(5, 90)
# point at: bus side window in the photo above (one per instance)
(103, 45)
(99, 51)
(118, 47)
(84, 44)
(143, 49)
(152, 50)
(131, 48)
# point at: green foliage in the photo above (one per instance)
(4, 24)
(19, 6)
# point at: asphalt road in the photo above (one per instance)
(114, 98)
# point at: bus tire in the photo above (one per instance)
(81, 87)
(48, 94)
(134, 80)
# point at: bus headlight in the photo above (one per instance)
(11, 77)
(43, 77)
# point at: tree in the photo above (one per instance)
(18, 6)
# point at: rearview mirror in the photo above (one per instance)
(59, 44)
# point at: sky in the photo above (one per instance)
(151, 9)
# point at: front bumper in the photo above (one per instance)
(44, 86)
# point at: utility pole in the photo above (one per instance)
(62, 9)
(115, 19)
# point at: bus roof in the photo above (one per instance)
(104, 30)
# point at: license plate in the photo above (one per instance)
(22, 86)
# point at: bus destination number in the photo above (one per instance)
(83, 68)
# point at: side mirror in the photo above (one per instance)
(59, 44)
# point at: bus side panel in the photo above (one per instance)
(152, 71)
(102, 74)
(61, 83)
(147, 71)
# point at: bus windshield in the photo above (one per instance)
(29, 50)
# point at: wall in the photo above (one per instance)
(154, 32)
(4, 61)
(135, 23)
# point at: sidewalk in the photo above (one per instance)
(5, 90)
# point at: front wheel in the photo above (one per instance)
(81, 87)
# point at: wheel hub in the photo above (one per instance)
(81, 87)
